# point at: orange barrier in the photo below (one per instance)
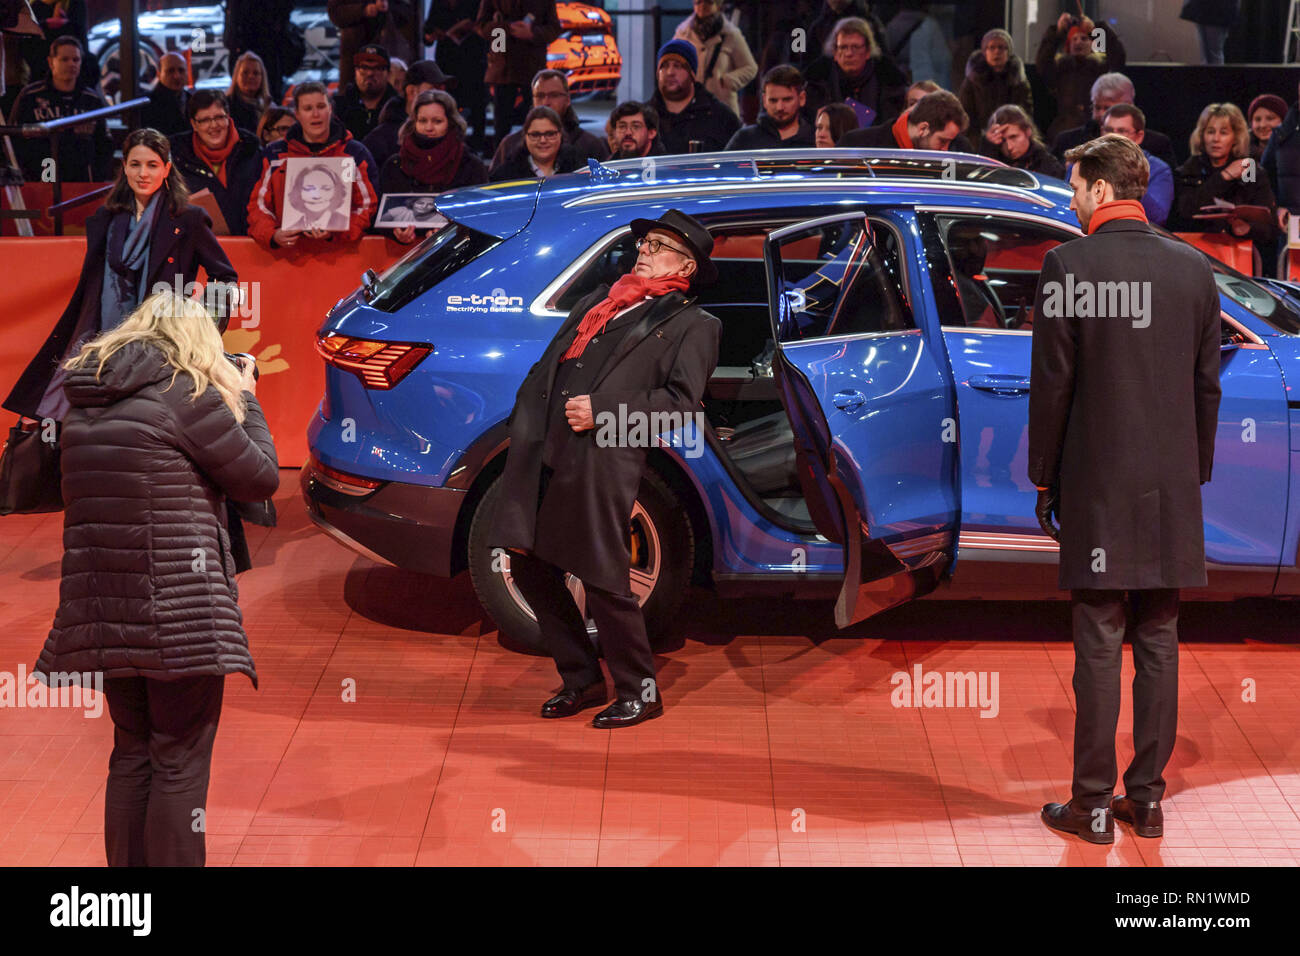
(41, 196)
(288, 299)
(1238, 253)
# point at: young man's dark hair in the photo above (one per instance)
(1132, 112)
(66, 41)
(202, 99)
(312, 86)
(633, 108)
(1115, 160)
(938, 109)
(783, 75)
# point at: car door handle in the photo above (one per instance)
(1000, 384)
(848, 399)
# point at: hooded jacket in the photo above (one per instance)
(267, 200)
(148, 581)
(984, 90)
(243, 168)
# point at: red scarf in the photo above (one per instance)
(434, 165)
(216, 158)
(628, 290)
(899, 129)
(1116, 209)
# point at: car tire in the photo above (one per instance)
(663, 555)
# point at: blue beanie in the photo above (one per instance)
(683, 48)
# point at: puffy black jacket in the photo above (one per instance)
(148, 586)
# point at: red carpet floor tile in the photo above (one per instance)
(393, 727)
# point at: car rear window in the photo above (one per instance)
(442, 254)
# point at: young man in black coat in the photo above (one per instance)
(934, 122)
(85, 150)
(168, 109)
(781, 124)
(630, 356)
(1123, 407)
(688, 113)
(359, 104)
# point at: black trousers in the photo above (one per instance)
(1100, 619)
(158, 773)
(619, 623)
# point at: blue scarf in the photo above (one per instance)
(127, 264)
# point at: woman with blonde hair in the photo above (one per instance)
(250, 93)
(1221, 168)
(163, 428)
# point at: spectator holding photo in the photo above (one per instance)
(433, 156)
(315, 134)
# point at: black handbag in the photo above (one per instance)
(30, 476)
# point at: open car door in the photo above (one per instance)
(873, 412)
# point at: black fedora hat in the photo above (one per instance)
(692, 233)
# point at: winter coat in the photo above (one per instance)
(765, 135)
(662, 364)
(516, 165)
(359, 119)
(179, 245)
(704, 119)
(390, 30)
(243, 168)
(1070, 78)
(1122, 415)
(725, 64)
(520, 59)
(470, 172)
(1282, 161)
(1197, 184)
(148, 581)
(267, 200)
(1036, 159)
(85, 154)
(984, 90)
(167, 111)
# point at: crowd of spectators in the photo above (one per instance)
(413, 125)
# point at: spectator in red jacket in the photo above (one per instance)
(315, 134)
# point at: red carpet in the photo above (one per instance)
(779, 745)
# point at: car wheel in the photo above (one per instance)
(110, 79)
(662, 546)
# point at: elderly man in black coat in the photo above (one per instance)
(1123, 408)
(638, 353)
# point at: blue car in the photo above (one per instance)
(864, 435)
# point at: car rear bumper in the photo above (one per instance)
(408, 526)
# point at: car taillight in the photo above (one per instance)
(379, 365)
(341, 480)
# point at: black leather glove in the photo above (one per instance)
(1048, 512)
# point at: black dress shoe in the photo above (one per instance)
(625, 713)
(1147, 819)
(1082, 823)
(568, 702)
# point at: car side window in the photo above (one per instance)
(834, 282)
(991, 267)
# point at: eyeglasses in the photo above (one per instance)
(212, 120)
(541, 135)
(630, 128)
(655, 245)
(850, 48)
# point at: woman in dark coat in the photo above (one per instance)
(543, 154)
(162, 429)
(1013, 138)
(216, 155)
(1218, 169)
(994, 77)
(432, 156)
(145, 234)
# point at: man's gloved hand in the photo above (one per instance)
(1048, 511)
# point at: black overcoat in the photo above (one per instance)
(1122, 417)
(662, 364)
(179, 245)
(148, 584)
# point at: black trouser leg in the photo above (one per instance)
(564, 632)
(620, 626)
(1155, 691)
(1098, 622)
(183, 717)
(503, 108)
(126, 796)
